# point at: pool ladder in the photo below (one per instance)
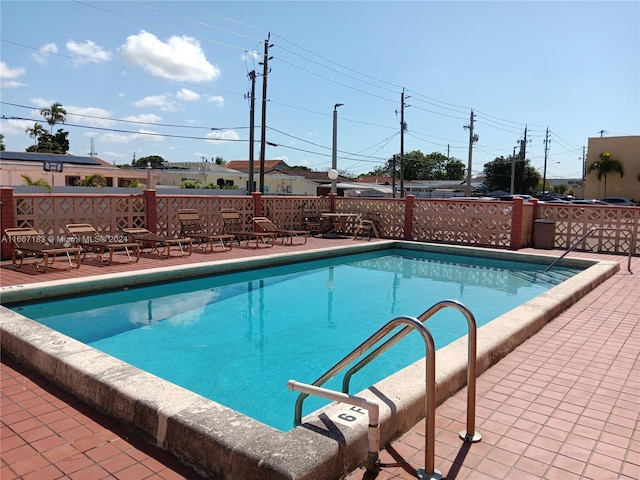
(410, 323)
(589, 232)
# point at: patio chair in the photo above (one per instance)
(191, 227)
(367, 225)
(312, 221)
(27, 242)
(263, 224)
(159, 244)
(90, 240)
(232, 225)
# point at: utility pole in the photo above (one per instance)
(263, 129)
(393, 177)
(513, 170)
(546, 151)
(584, 167)
(472, 139)
(402, 144)
(523, 147)
(252, 105)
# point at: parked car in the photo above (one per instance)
(552, 200)
(623, 201)
(593, 201)
(509, 198)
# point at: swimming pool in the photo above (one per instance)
(225, 443)
(226, 336)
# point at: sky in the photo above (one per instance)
(172, 78)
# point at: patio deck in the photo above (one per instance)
(563, 405)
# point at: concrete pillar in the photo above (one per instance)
(8, 218)
(151, 210)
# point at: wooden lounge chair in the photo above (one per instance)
(263, 224)
(87, 237)
(26, 242)
(367, 225)
(232, 224)
(191, 227)
(159, 244)
(312, 221)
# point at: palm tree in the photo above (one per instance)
(35, 183)
(54, 114)
(35, 132)
(605, 166)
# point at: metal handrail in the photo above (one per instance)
(430, 384)
(373, 410)
(589, 232)
(470, 435)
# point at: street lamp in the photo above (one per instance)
(333, 173)
(149, 168)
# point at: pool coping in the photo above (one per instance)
(225, 444)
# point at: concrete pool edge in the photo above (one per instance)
(229, 445)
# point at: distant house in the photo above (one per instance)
(62, 170)
(318, 181)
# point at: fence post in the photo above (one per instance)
(151, 210)
(257, 204)
(517, 217)
(7, 218)
(409, 203)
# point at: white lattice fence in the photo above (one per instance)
(50, 214)
(620, 224)
(208, 207)
(387, 213)
(287, 212)
(466, 223)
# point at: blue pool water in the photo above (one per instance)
(237, 338)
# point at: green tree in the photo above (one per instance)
(95, 180)
(497, 175)
(220, 161)
(1, 142)
(35, 132)
(54, 114)
(455, 169)
(191, 184)
(36, 183)
(606, 166)
(418, 166)
(58, 143)
(561, 188)
(156, 161)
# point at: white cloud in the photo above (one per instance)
(219, 136)
(92, 116)
(217, 99)
(163, 102)
(187, 95)
(89, 51)
(252, 55)
(16, 127)
(42, 55)
(179, 59)
(42, 103)
(122, 138)
(144, 118)
(115, 156)
(9, 76)
(112, 137)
